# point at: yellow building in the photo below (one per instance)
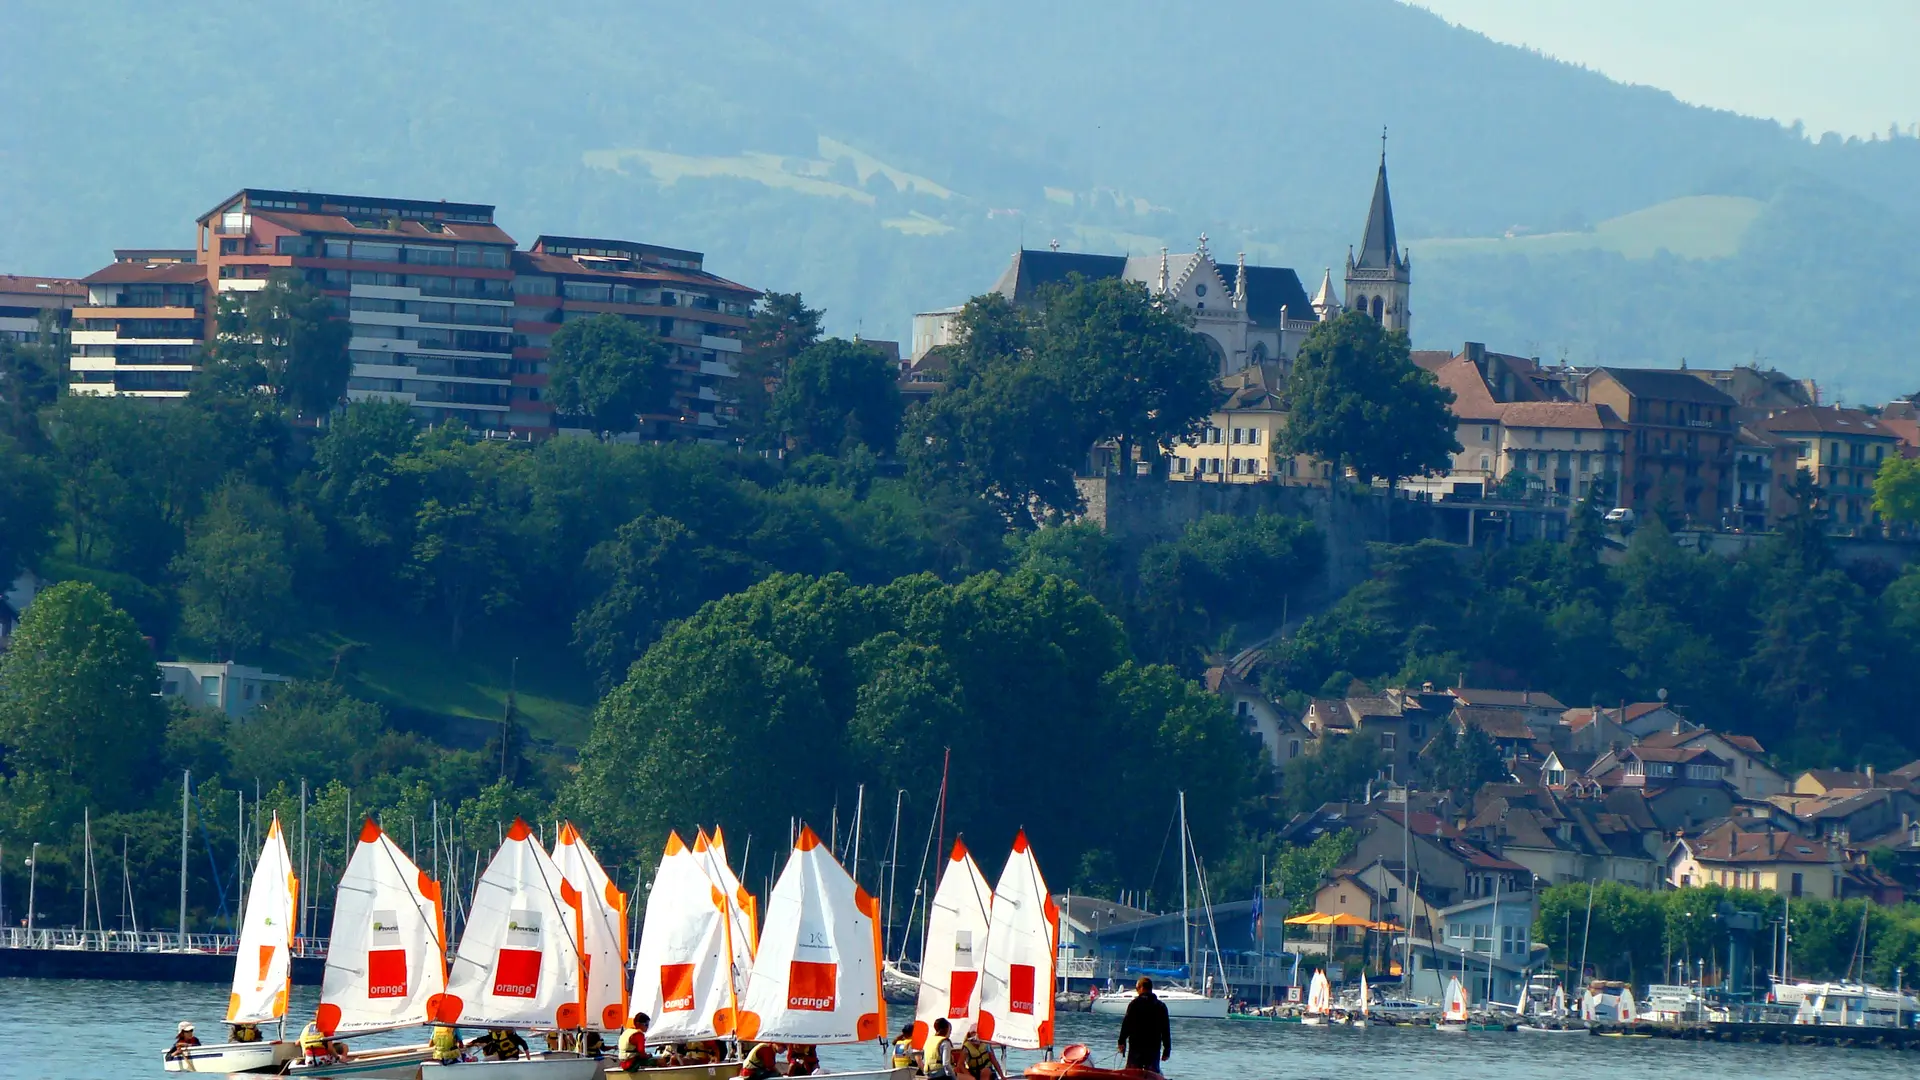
(1768, 859)
(1241, 443)
(1841, 449)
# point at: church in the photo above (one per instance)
(1247, 315)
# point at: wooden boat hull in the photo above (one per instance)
(235, 1058)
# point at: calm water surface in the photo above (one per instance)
(79, 1030)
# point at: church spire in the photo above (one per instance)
(1325, 304)
(1380, 247)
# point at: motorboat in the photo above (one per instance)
(1182, 1003)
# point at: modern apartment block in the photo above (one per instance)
(23, 300)
(141, 327)
(699, 315)
(427, 287)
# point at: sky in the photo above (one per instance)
(1840, 65)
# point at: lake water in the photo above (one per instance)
(80, 1030)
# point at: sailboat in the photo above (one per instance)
(956, 938)
(816, 972)
(386, 958)
(1319, 999)
(603, 941)
(1023, 941)
(520, 962)
(1554, 1022)
(1181, 1001)
(688, 971)
(262, 970)
(1363, 1015)
(1453, 1016)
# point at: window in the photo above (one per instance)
(1293, 749)
(1565, 461)
(1392, 894)
(1538, 435)
(1798, 883)
(1386, 741)
(1415, 732)
(1483, 463)
(1236, 436)
(1379, 309)
(1253, 436)
(1576, 438)
(1486, 433)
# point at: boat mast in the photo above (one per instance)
(859, 808)
(1493, 944)
(1586, 935)
(240, 866)
(893, 870)
(86, 868)
(186, 786)
(1186, 946)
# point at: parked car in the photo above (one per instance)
(1621, 515)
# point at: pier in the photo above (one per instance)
(148, 956)
(1881, 1038)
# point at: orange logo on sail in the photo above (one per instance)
(811, 986)
(387, 973)
(1020, 988)
(960, 994)
(676, 987)
(517, 973)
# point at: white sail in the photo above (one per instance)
(1589, 1003)
(681, 977)
(1319, 994)
(1456, 1004)
(1559, 1001)
(1521, 1008)
(1627, 1010)
(743, 926)
(263, 960)
(518, 965)
(1366, 996)
(746, 909)
(957, 925)
(386, 954)
(816, 976)
(1016, 979)
(603, 909)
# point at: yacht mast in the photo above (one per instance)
(186, 786)
(1186, 946)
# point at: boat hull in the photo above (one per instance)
(1457, 1027)
(1553, 1030)
(723, 1070)
(1183, 1006)
(401, 1063)
(1060, 1070)
(235, 1058)
(541, 1067)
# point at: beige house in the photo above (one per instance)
(1747, 770)
(1281, 736)
(1768, 859)
(1841, 449)
(1241, 442)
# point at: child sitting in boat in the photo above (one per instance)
(183, 1041)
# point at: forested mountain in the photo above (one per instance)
(886, 158)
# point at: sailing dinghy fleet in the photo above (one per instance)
(545, 950)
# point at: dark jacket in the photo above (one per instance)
(1145, 1033)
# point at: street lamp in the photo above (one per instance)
(33, 877)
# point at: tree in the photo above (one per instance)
(1133, 367)
(31, 378)
(1463, 762)
(287, 337)
(1299, 871)
(80, 713)
(653, 570)
(608, 370)
(236, 574)
(1359, 400)
(1339, 771)
(837, 394)
(28, 510)
(782, 327)
(313, 731)
(461, 527)
(1896, 490)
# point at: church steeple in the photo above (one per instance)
(1380, 278)
(1325, 304)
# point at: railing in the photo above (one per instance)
(128, 941)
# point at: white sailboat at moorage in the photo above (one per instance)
(1453, 1017)
(1183, 1001)
(684, 972)
(386, 960)
(1023, 942)
(957, 927)
(520, 962)
(816, 973)
(1319, 999)
(603, 942)
(1362, 1015)
(262, 970)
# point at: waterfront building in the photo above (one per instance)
(26, 301)
(141, 327)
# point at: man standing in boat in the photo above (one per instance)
(1146, 1035)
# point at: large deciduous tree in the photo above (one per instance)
(29, 510)
(1356, 398)
(237, 571)
(286, 337)
(608, 370)
(837, 394)
(80, 713)
(782, 327)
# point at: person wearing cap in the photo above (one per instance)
(183, 1040)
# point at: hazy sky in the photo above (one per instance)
(1838, 65)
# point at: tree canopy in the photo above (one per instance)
(607, 370)
(1357, 399)
(837, 394)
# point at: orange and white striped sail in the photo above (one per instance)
(1319, 994)
(519, 960)
(746, 910)
(386, 954)
(1456, 1003)
(603, 942)
(263, 961)
(1016, 978)
(816, 975)
(681, 975)
(957, 926)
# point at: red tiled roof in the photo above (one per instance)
(1471, 398)
(1729, 844)
(541, 262)
(1826, 420)
(1510, 699)
(1497, 723)
(1904, 428)
(130, 273)
(399, 228)
(41, 286)
(1560, 414)
(1431, 359)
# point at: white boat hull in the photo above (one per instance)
(235, 1058)
(1181, 1005)
(1458, 1027)
(400, 1063)
(541, 1067)
(1553, 1031)
(1314, 1021)
(724, 1070)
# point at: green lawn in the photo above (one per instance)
(405, 662)
(1694, 227)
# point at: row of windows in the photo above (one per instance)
(421, 254)
(1217, 466)
(431, 337)
(431, 311)
(1608, 439)
(461, 393)
(1213, 436)
(428, 284)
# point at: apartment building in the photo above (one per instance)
(1681, 433)
(426, 286)
(701, 316)
(25, 300)
(1841, 449)
(1241, 442)
(139, 331)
